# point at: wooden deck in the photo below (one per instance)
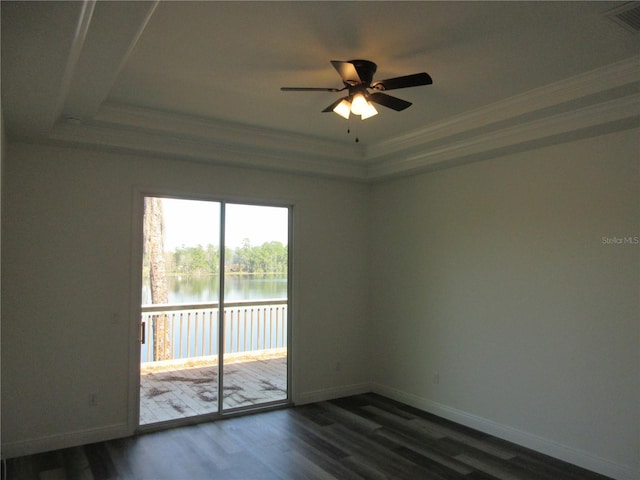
(180, 392)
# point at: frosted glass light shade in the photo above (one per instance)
(369, 111)
(343, 109)
(359, 104)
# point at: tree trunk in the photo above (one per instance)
(154, 245)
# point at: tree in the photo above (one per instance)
(196, 260)
(154, 250)
(273, 257)
(244, 256)
(212, 256)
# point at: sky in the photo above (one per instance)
(191, 223)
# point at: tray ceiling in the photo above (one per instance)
(200, 80)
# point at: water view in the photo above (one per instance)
(205, 288)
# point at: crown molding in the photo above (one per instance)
(147, 132)
(530, 133)
(227, 133)
(625, 72)
(595, 99)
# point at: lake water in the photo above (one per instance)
(201, 289)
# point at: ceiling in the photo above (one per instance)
(201, 80)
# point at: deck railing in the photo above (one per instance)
(251, 327)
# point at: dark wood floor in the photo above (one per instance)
(359, 437)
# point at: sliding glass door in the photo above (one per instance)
(214, 313)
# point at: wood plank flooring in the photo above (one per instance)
(360, 437)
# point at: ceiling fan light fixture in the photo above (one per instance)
(343, 109)
(357, 78)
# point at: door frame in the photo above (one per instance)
(135, 290)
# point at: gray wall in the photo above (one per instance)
(495, 277)
(67, 268)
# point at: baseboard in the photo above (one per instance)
(64, 440)
(562, 452)
(331, 393)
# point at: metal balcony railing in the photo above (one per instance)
(178, 332)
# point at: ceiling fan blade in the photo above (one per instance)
(310, 89)
(393, 103)
(333, 105)
(347, 71)
(414, 80)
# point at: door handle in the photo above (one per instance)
(143, 333)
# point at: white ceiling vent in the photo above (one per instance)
(627, 16)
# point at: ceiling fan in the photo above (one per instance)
(357, 77)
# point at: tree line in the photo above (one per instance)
(270, 257)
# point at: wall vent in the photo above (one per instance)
(627, 16)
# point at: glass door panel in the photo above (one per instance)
(180, 305)
(255, 305)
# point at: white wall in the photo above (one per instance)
(495, 276)
(66, 268)
(492, 274)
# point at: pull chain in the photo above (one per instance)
(349, 130)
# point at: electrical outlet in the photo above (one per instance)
(436, 378)
(92, 399)
(338, 366)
